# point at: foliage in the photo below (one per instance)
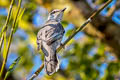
(85, 56)
(3, 37)
(12, 67)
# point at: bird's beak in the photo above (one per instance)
(63, 9)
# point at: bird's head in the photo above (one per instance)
(56, 14)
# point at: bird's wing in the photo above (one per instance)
(49, 34)
(54, 32)
(39, 40)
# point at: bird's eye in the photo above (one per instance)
(52, 12)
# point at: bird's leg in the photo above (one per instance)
(62, 45)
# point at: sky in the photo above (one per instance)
(115, 17)
(39, 20)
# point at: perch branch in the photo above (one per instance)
(70, 37)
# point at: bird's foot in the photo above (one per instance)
(62, 45)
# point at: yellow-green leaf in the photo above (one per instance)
(4, 50)
(12, 67)
(18, 19)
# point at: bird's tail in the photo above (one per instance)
(51, 64)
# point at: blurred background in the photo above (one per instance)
(93, 54)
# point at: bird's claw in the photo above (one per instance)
(62, 45)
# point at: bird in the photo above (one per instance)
(49, 39)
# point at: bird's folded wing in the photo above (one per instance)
(55, 34)
(50, 33)
(54, 38)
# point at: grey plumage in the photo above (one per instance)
(49, 38)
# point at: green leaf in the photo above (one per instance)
(12, 67)
(101, 49)
(4, 50)
(16, 27)
(19, 18)
(64, 23)
(98, 2)
(3, 29)
(69, 32)
(21, 13)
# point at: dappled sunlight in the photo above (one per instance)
(91, 54)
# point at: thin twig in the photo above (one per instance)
(78, 30)
(113, 9)
(100, 9)
(10, 40)
(4, 29)
(37, 72)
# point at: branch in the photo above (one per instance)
(113, 9)
(6, 23)
(37, 72)
(70, 37)
(10, 40)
